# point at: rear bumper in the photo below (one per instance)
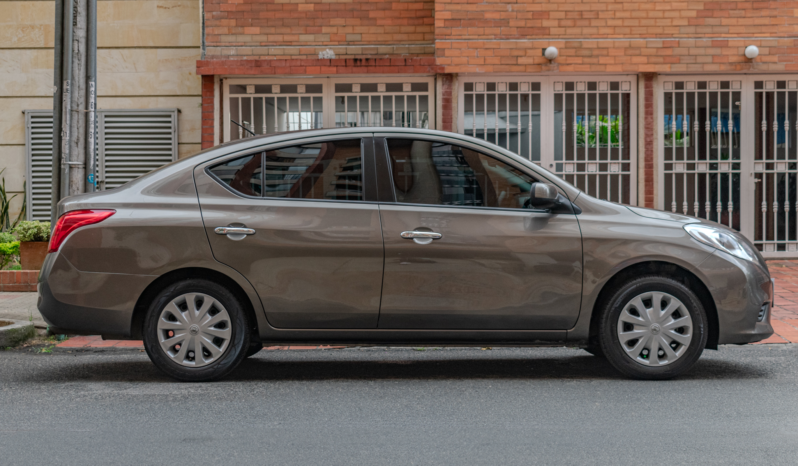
(86, 303)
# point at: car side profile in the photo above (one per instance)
(392, 236)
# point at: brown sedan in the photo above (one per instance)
(386, 236)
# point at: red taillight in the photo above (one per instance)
(71, 221)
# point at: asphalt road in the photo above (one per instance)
(378, 406)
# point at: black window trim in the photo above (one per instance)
(385, 178)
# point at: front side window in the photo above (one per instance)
(437, 173)
(327, 170)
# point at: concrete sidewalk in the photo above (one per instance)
(22, 306)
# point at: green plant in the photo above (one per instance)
(601, 131)
(5, 207)
(8, 253)
(6, 237)
(33, 231)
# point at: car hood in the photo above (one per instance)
(661, 215)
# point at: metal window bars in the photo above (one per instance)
(506, 114)
(273, 108)
(592, 146)
(590, 127)
(776, 166)
(382, 104)
(702, 149)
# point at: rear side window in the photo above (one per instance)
(328, 170)
(243, 174)
(436, 173)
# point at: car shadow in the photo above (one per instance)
(575, 367)
(268, 366)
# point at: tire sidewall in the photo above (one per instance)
(608, 334)
(237, 347)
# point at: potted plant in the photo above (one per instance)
(34, 238)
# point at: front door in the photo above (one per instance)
(295, 222)
(461, 249)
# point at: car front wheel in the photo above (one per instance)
(196, 331)
(653, 328)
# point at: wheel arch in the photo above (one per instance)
(167, 279)
(666, 269)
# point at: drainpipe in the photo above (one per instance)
(66, 108)
(57, 98)
(91, 72)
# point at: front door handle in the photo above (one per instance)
(234, 233)
(421, 237)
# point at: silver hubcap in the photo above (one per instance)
(194, 330)
(655, 329)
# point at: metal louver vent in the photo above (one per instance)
(131, 143)
(39, 156)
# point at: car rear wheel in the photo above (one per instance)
(196, 331)
(653, 328)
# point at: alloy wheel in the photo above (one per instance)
(194, 330)
(655, 329)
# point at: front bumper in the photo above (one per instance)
(87, 303)
(739, 289)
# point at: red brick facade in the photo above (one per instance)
(18, 280)
(301, 29)
(648, 139)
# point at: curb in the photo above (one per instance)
(16, 333)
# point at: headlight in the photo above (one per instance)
(722, 239)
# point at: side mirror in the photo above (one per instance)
(543, 196)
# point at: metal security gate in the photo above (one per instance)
(729, 153)
(255, 106)
(702, 149)
(776, 166)
(594, 148)
(580, 128)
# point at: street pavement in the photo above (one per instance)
(398, 406)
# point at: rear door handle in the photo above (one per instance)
(420, 234)
(421, 237)
(234, 233)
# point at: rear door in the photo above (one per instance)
(462, 251)
(299, 222)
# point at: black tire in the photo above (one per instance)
(235, 351)
(608, 328)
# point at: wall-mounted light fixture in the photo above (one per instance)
(550, 53)
(751, 52)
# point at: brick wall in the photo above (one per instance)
(302, 28)
(466, 36)
(208, 113)
(648, 139)
(18, 280)
(613, 19)
(615, 36)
